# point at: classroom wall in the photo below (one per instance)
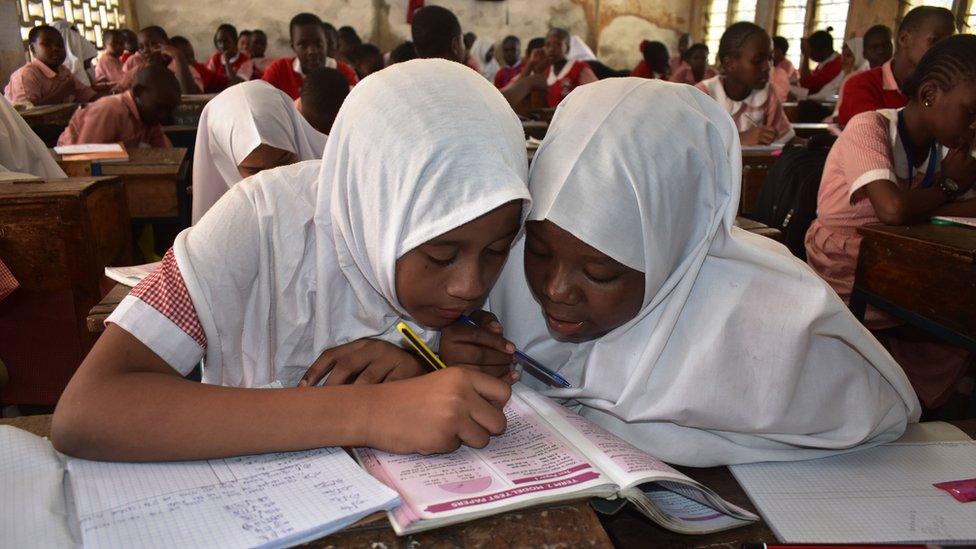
(613, 28)
(11, 48)
(864, 14)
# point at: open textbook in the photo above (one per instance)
(132, 275)
(267, 500)
(548, 453)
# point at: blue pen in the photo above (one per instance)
(526, 360)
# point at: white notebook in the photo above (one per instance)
(879, 495)
(132, 275)
(267, 500)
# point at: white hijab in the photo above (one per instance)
(740, 352)
(856, 45)
(233, 124)
(479, 50)
(579, 51)
(21, 150)
(78, 50)
(302, 258)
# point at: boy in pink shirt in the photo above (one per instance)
(45, 80)
(109, 67)
(133, 117)
(154, 48)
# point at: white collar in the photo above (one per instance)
(902, 169)
(756, 98)
(833, 56)
(552, 78)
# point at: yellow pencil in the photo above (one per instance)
(422, 349)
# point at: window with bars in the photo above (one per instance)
(745, 10)
(790, 25)
(969, 21)
(717, 19)
(832, 13)
(90, 17)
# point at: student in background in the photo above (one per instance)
(695, 68)
(80, 52)
(331, 37)
(820, 48)
(632, 290)
(854, 63)
(887, 167)
(469, 40)
(367, 59)
(743, 89)
(212, 82)
(108, 70)
(308, 265)
(323, 93)
(563, 75)
(483, 53)
(656, 60)
(259, 45)
(133, 117)
(436, 32)
(227, 62)
(678, 59)
(244, 43)
(880, 88)
(347, 42)
(310, 45)
(131, 44)
(878, 46)
(641, 70)
(512, 60)
(154, 48)
(404, 52)
(783, 73)
(45, 80)
(247, 129)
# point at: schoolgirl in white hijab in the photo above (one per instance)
(237, 122)
(22, 153)
(78, 50)
(305, 258)
(488, 66)
(738, 352)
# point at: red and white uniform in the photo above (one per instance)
(573, 74)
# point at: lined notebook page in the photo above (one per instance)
(882, 495)
(32, 506)
(270, 500)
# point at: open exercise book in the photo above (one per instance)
(548, 453)
(268, 500)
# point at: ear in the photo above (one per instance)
(929, 93)
(457, 44)
(903, 38)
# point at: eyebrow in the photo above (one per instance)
(439, 242)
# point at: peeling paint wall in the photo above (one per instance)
(614, 32)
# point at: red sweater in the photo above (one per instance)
(281, 75)
(822, 75)
(212, 82)
(869, 91)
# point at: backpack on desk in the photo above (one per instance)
(788, 199)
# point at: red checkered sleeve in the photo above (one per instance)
(165, 291)
(7, 282)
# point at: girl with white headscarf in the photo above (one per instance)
(79, 52)
(483, 51)
(737, 351)
(233, 126)
(854, 62)
(301, 260)
(22, 153)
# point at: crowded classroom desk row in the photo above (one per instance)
(564, 524)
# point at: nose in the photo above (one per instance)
(560, 288)
(468, 281)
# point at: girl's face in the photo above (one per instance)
(556, 49)
(952, 116)
(265, 157)
(583, 292)
(878, 49)
(49, 48)
(452, 274)
(259, 43)
(116, 45)
(752, 63)
(698, 60)
(244, 43)
(225, 41)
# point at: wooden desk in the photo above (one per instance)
(790, 110)
(56, 237)
(188, 112)
(543, 114)
(559, 525)
(105, 307)
(154, 181)
(535, 128)
(808, 130)
(755, 168)
(48, 121)
(923, 274)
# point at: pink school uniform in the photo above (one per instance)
(870, 150)
(35, 80)
(108, 68)
(762, 107)
(137, 61)
(685, 75)
(113, 119)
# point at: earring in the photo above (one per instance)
(927, 103)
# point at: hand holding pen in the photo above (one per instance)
(480, 343)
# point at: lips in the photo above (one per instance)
(448, 314)
(562, 325)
